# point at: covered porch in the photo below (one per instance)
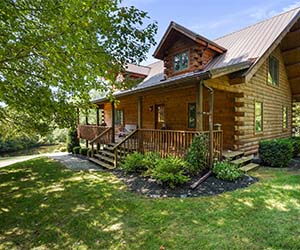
(164, 121)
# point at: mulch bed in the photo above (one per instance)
(211, 186)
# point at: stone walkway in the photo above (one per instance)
(75, 163)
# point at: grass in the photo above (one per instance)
(45, 206)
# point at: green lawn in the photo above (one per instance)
(45, 206)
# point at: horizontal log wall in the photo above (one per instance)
(245, 95)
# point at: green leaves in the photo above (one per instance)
(55, 52)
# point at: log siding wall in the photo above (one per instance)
(233, 107)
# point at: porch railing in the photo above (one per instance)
(89, 132)
(104, 138)
(165, 142)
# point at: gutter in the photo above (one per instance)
(166, 83)
(210, 74)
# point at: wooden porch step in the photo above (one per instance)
(242, 161)
(230, 155)
(105, 158)
(101, 163)
(249, 167)
(107, 153)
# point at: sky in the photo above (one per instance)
(212, 18)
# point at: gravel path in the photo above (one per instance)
(15, 159)
(75, 163)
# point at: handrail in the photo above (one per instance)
(169, 130)
(99, 136)
(125, 139)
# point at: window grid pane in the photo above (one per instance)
(285, 117)
(181, 61)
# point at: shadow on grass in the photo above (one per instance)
(45, 206)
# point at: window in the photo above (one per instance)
(119, 117)
(192, 115)
(273, 74)
(258, 116)
(161, 113)
(284, 117)
(181, 61)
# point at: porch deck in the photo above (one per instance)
(111, 148)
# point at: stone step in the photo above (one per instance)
(249, 167)
(242, 161)
(101, 163)
(104, 158)
(231, 155)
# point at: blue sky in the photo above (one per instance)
(212, 18)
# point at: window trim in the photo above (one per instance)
(262, 117)
(188, 64)
(188, 115)
(268, 71)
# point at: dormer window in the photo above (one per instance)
(181, 61)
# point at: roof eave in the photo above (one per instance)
(258, 63)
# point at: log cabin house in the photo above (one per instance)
(244, 84)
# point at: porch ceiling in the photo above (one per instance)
(290, 47)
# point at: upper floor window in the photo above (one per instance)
(273, 74)
(181, 61)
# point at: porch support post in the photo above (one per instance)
(113, 121)
(86, 122)
(199, 106)
(97, 117)
(98, 124)
(78, 117)
(140, 108)
(211, 125)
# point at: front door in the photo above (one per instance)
(160, 116)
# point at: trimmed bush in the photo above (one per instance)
(83, 151)
(276, 153)
(226, 171)
(76, 150)
(197, 155)
(170, 171)
(72, 139)
(296, 146)
(134, 163)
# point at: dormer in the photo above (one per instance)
(184, 51)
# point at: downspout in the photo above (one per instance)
(211, 125)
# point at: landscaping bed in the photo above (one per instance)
(211, 186)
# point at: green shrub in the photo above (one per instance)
(149, 161)
(296, 146)
(134, 163)
(83, 151)
(72, 139)
(76, 150)
(197, 155)
(170, 171)
(226, 171)
(276, 153)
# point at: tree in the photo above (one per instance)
(55, 52)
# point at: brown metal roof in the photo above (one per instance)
(245, 48)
